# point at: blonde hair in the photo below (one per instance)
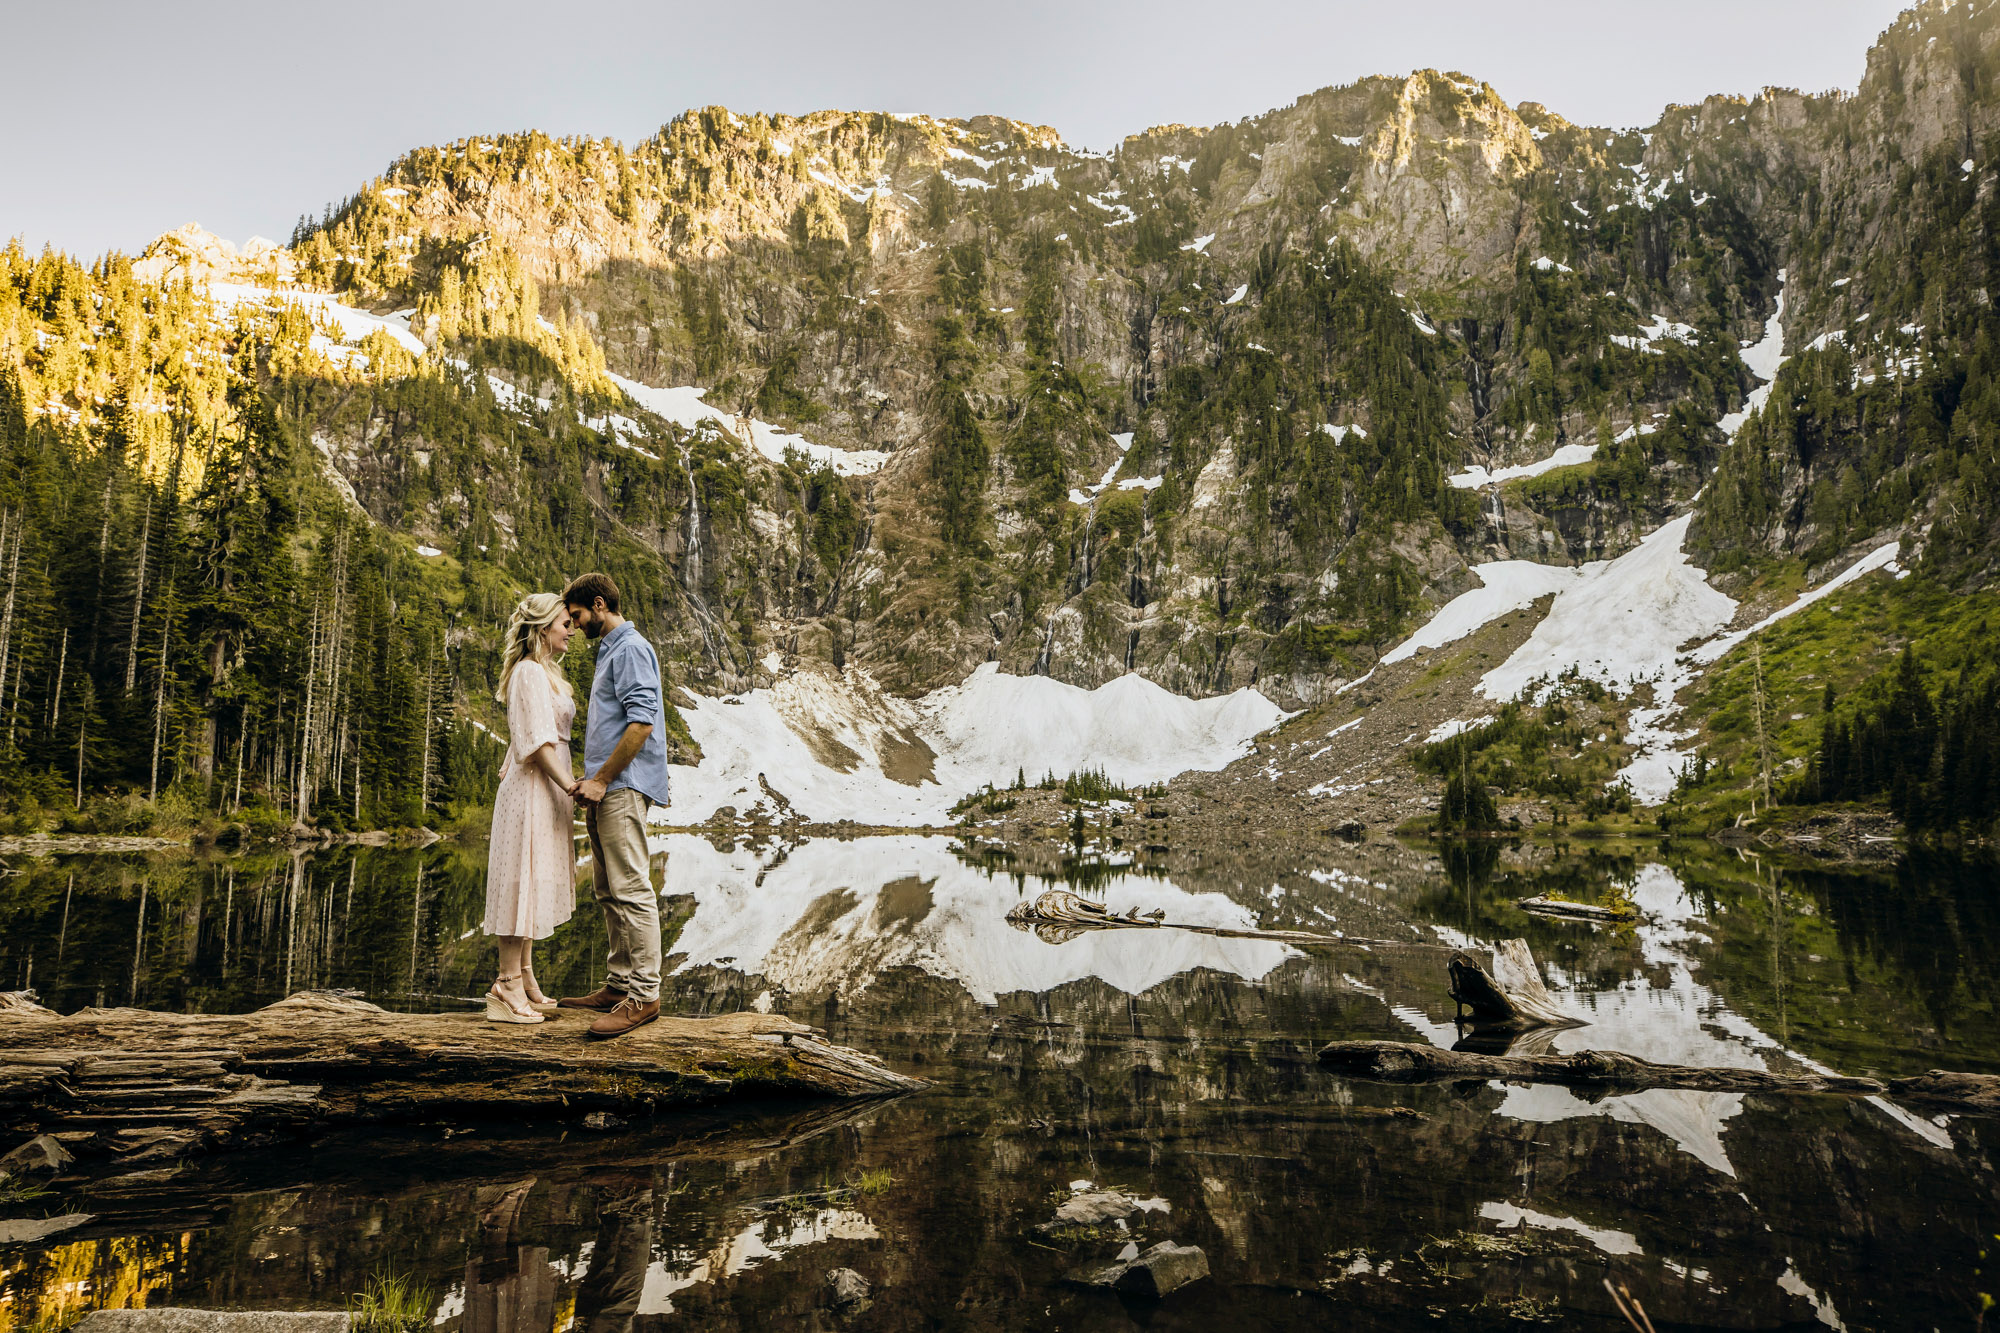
(536, 612)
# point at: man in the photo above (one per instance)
(625, 759)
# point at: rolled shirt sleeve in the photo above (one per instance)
(626, 690)
(636, 679)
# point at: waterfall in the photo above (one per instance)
(712, 641)
(691, 558)
(1048, 642)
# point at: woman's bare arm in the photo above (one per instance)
(545, 759)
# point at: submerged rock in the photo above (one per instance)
(1094, 1208)
(28, 1230)
(849, 1287)
(1165, 1268)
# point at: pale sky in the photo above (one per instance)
(126, 119)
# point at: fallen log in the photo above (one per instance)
(148, 1086)
(1614, 1071)
(1943, 1090)
(1579, 911)
(1512, 996)
(1412, 1062)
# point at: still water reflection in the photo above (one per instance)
(1174, 1065)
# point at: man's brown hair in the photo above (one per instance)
(585, 589)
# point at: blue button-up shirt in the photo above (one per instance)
(625, 690)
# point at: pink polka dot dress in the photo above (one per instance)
(530, 861)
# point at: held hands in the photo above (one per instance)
(587, 792)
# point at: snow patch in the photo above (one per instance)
(1509, 585)
(1510, 1217)
(1660, 330)
(1763, 357)
(983, 163)
(684, 407)
(1623, 623)
(354, 325)
(1477, 477)
(773, 443)
(1444, 731)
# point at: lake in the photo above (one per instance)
(1172, 1065)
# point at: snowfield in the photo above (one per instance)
(1648, 617)
(833, 747)
(1511, 585)
(684, 407)
(1622, 623)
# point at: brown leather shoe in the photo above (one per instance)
(629, 1014)
(603, 1001)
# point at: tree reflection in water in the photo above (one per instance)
(1109, 1058)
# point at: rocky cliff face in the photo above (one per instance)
(1193, 407)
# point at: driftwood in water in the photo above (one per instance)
(1614, 1071)
(1512, 996)
(1057, 916)
(1578, 911)
(132, 1082)
(1943, 1090)
(1410, 1062)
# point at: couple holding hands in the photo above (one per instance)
(530, 868)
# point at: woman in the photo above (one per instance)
(530, 863)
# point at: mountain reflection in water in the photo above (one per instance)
(1168, 1064)
(821, 920)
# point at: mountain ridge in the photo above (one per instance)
(1221, 405)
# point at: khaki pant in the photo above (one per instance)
(622, 875)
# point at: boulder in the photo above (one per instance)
(1165, 1268)
(41, 1155)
